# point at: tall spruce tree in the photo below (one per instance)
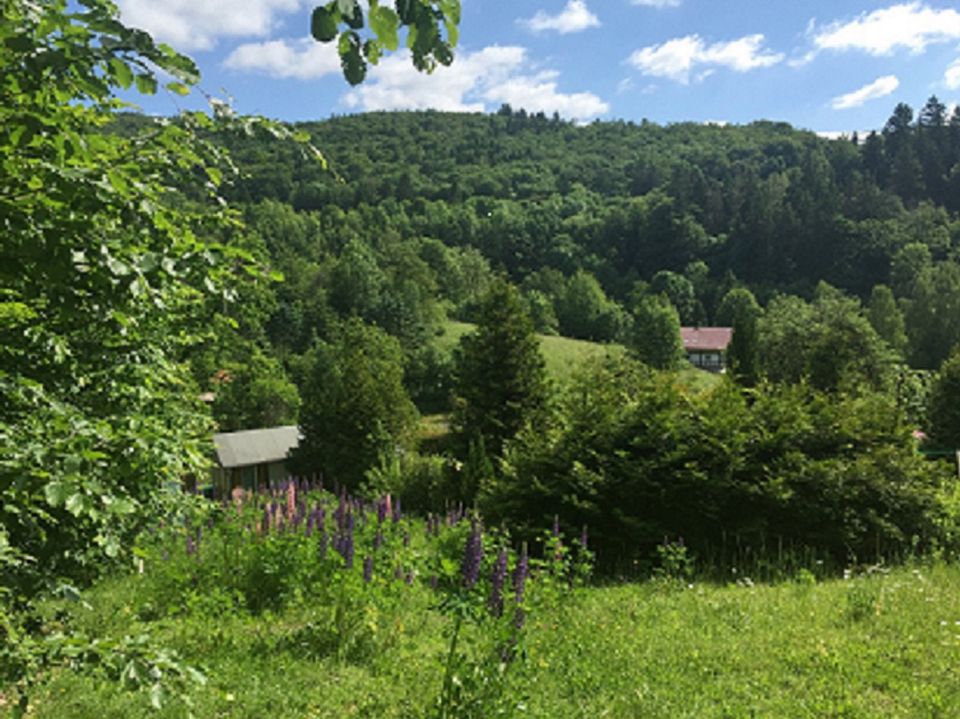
(501, 381)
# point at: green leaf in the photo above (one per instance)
(385, 23)
(178, 87)
(146, 84)
(121, 72)
(216, 177)
(371, 51)
(354, 19)
(451, 11)
(405, 9)
(351, 60)
(76, 504)
(323, 24)
(55, 493)
(118, 182)
(117, 267)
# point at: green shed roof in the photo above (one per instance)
(255, 446)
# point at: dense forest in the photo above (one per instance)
(415, 214)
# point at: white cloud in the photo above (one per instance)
(576, 16)
(538, 93)
(881, 87)
(494, 75)
(676, 59)
(952, 76)
(912, 26)
(657, 3)
(304, 59)
(198, 24)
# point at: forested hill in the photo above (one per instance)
(415, 214)
(777, 207)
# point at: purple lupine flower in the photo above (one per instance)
(497, 579)
(347, 550)
(321, 517)
(367, 568)
(339, 513)
(381, 509)
(346, 544)
(309, 528)
(472, 555)
(266, 520)
(397, 511)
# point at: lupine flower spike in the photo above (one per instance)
(472, 555)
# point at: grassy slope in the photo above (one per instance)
(562, 354)
(881, 646)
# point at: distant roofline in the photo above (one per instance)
(250, 447)
(706, 339)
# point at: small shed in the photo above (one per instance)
(253, 457)
(706, 347)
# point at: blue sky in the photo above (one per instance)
(828, 66)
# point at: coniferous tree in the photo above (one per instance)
(501, 381)
(886, 317)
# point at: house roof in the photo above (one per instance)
(255, 446)
(706, 339)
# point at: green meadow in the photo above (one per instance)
(561, 354)
(881, 643)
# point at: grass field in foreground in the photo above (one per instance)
(884, 645)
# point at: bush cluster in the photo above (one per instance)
(638, 456)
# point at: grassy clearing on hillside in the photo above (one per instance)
(882, 645)
(562, 354)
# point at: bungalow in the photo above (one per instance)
(706, 346)
(252, 458)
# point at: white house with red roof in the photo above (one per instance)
(706, 347)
